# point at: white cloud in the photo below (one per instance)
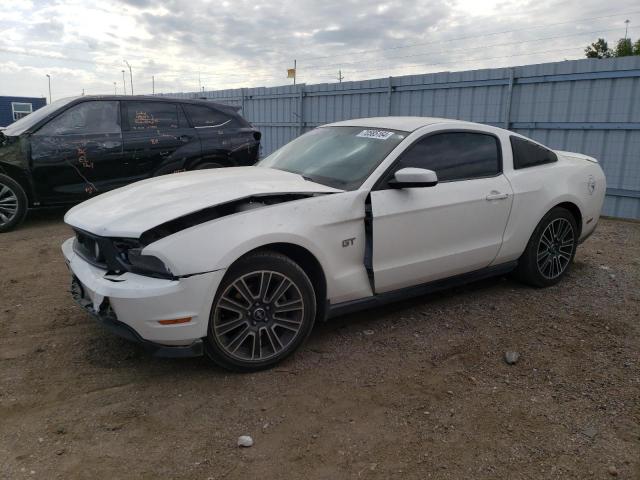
(188, 43)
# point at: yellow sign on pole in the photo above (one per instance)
(291, 73)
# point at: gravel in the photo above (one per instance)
(511, 357)
(342, 407)
(245, 441)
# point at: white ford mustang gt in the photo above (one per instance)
(240, 262)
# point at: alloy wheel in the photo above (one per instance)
(8, 204)
(555, 248)
(258, 316)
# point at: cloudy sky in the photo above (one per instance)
(190, 44)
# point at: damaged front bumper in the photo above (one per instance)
(133, 306)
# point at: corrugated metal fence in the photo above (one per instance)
(588, 106)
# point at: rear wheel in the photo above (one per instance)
(263, 311)
(550, 250)
(13, 203)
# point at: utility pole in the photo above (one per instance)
(130, 77)
(292, 72)
(626, 28)
(340, 77)
(83, 92)
(115, 89)
(153, 85)
(49, 80)
(124, 84)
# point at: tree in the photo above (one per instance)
(636, 47)
(624, 48)
(598, 49)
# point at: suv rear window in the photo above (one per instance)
(202, 116)
(529, 154)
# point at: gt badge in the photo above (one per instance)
(348, 242)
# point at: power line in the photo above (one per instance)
(466, 61)
(472, 36)
(116, 64)
(330, 66)
(179, 74)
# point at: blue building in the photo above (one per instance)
(14, 108)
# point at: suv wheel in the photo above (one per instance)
(263, 311)
(13, 203)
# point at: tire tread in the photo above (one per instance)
(249, 261)
(527, 269)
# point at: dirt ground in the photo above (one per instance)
(416, 390)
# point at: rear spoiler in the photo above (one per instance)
(576, 155)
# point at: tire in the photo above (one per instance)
(246, 331)
(13, 203)
(206, 166)
(550, 251)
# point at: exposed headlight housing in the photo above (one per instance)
(119, 255)
(147, 264)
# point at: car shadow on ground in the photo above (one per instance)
(105, 350)
(43, 217)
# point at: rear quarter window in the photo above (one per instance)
(529, 154)
(202, 117)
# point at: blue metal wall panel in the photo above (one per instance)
(6, 114)
(590, 106)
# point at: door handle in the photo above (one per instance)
(495, 195)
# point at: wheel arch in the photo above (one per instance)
(21, 177)
(574, 210)
(308, 262)
(217, 157)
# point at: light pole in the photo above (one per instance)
(130, 77)
(115, 89)
(49, 80)
(124, 84)
(626, 28)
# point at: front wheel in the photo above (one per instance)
(550, 250)
(13, 203)
(263, 311)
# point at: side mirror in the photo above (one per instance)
(413, 177)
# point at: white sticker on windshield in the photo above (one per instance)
(379, 134)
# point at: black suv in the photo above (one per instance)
(78, 147)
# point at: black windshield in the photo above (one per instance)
(25, 123)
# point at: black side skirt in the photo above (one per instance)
(418, 290)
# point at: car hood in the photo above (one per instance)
(129, 211)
